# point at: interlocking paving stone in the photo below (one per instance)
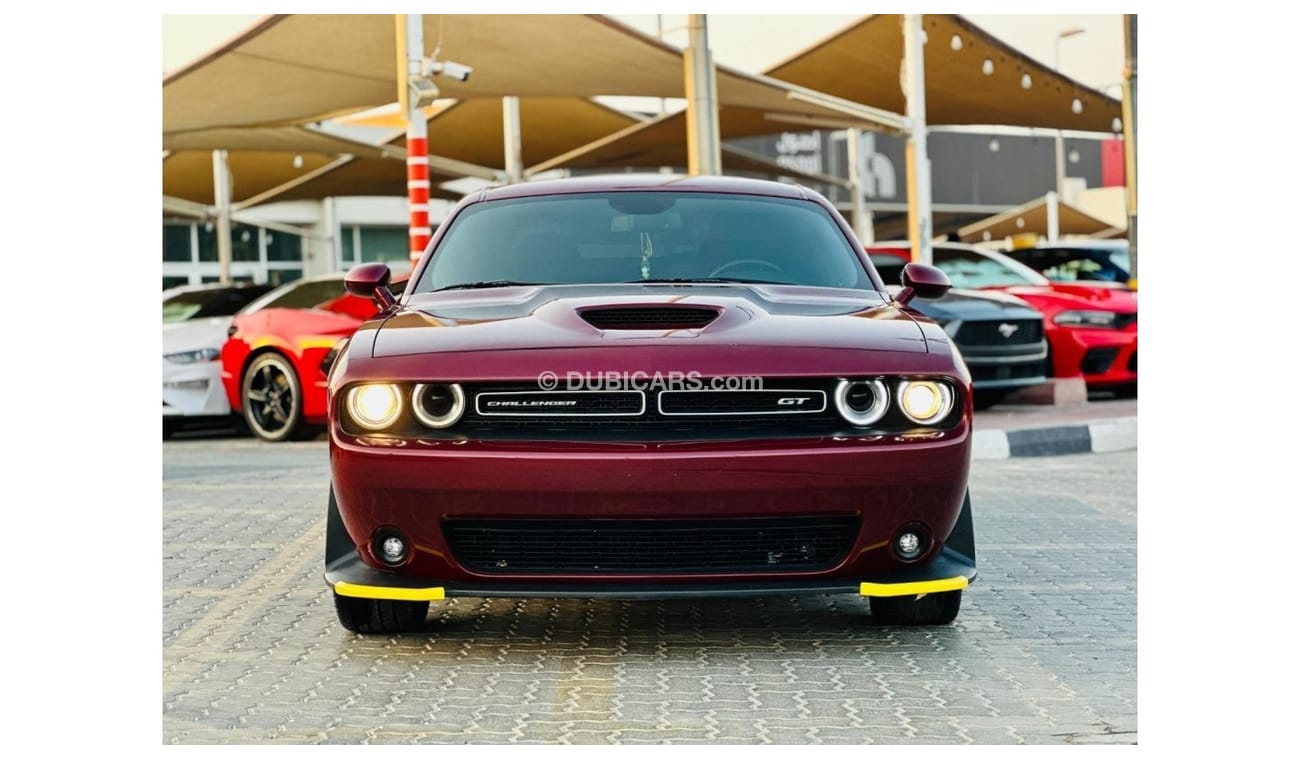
(1044, 650)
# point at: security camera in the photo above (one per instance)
(458, 71)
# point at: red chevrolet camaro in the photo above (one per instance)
(274, 362)
(647, 386)
(1091, 326)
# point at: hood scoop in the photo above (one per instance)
(649, 317)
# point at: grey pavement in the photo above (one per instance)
(1043, 652)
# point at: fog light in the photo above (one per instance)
(390, 548)
(910, 543)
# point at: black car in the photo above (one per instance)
(1000, 336)
(1087, 261)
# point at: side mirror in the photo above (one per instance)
(371, 281)
(924, 281)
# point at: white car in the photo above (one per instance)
(195, 321)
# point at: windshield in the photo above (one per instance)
(983, 269)
(1077, 264)
(212, 302)
(643, 236)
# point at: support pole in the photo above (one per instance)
(1130, 139)
(410, 40)
(919, 224)
(704, 154)
(221, 196)
(862, 221)
(1053, 217)
(514, 140)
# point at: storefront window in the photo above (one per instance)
(176, 242)
(281, 246)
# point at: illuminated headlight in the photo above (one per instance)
(1085, 319)
(374, 406)
(924, 401)
(438, 405)
(861, 402)
(191, 357)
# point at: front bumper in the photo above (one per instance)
(193, 390)
(1101, 357)
(950, 571)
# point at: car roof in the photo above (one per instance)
(645, 182)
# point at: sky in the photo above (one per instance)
(755, 42)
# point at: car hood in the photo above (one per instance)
(1104, 297)
(550, 316)
(194, 334)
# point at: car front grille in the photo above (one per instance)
(999, 332)
(1133, 362)
(596, 546)
(783, 408)
(990, 372)
(1124, 320)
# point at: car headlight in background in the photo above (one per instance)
(438, 405)
(1085, 319)
(374, 406)
(861, 402)
(924, 401)
(192, 357)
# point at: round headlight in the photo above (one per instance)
(924, 401)
(374, 406)
(438, 405)
(861, 402)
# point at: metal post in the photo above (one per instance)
(1053, 217)
(411, 41)
(330, 221)
(1130, 139)
(862, 221)
(919, 223)
(514, 139)
(704, 152)
(221, 196)
(1064, 34)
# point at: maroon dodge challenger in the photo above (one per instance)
(647, 387)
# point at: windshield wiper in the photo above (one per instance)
(486, 284)
(705, 280)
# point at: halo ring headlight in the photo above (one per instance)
(374, 406)
(924, 402)
(850, 396)
(438, 405)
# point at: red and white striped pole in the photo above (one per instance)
(417, 141)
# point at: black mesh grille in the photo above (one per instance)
(986, 372)
(991, 332)
(1124, 320)
(1098, 360)
(630, 546)
(1133, 362)
(649, 318)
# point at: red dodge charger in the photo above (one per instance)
(647, 387)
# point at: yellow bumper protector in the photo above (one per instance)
(434, 594)
(916, 588)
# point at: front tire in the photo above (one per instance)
(381, 616)
(930, 609)
(272, 400)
